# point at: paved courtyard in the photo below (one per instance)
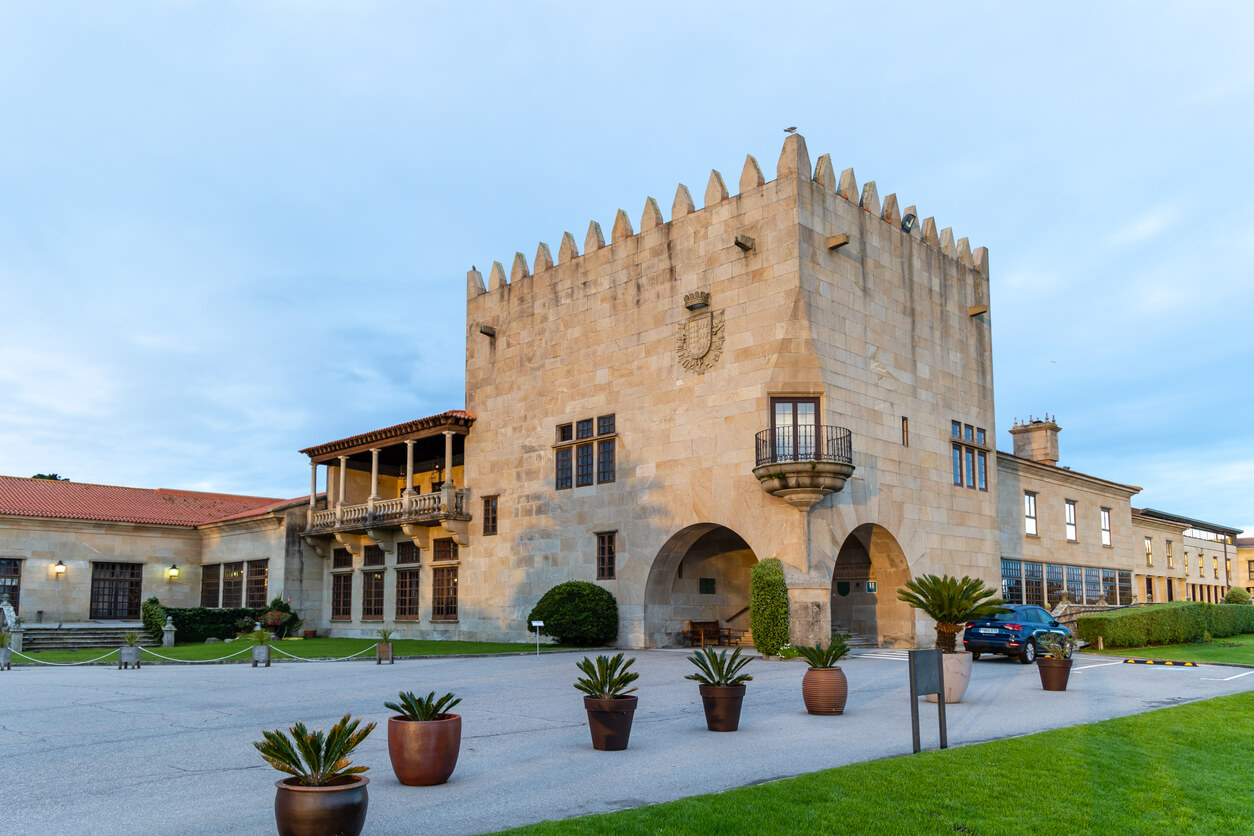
(168, 749)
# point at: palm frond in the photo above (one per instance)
(718, 669)
(317, 759)
(607, 677)
(423, 709)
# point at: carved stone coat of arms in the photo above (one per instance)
(699, 340)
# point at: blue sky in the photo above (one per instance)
(232, 230)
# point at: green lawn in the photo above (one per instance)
(304, 648)
(1177, 770)
(1218, 650)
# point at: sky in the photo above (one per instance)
(229, 231)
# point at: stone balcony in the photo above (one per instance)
(801, 465)
(430, 509)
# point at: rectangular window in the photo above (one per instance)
(1201, 565)
(1171, 560)
(1029, 513)
(1249, 569)
(905, 431)
(969, 463)
(1075, 584)
(489, 516)
(564, 455)
(1227, 567)
(1054, 584)
(342, 596)
(11, 581)
(1149, 590)
(795, 428)
(1012, 581)
(1105, 526)
(341, 559)
(605, 460)
(372, 596)
(583, 465)
(444, 593)
(406, 552)
(957, 465)
(373, 556)
(233, 585)
(605, 556)
(955, 429)
(257, 581)
(605, 425)
(116, 589)
(981, 473)
(968, 433)
(211, 585)
(444, 549)
(1092, 585)
(407, 593)
(583, 429)
(1149, 552)
(1071, 527)
(1034, 584)
(979, 436)
(565, 432)
(1216, 562)
(1109, 590)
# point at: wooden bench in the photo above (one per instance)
(701, 633)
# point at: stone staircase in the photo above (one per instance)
(855, 639)
(37, 637)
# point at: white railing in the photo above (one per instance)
(322, 519)
(420, 506)
(388, 508)
(354, 513)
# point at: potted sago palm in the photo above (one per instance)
(722, 687)
(951, 602)
(261, 653)
(608, 700)
(825, 688)
(384, 647)
(128, 653)
(424, 738)
(326, 795)
(1055, 666)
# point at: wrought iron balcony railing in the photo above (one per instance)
(814, 443)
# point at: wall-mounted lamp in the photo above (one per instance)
(59, 569)
(907, 223)
(173, 571)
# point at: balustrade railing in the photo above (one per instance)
(813, 443)
(416, 507)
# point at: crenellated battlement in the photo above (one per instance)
(793, 161)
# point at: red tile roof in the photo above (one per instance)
(453, 417)
(110, 503)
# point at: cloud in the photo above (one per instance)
(1144, 227)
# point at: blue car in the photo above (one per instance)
(1013, 633)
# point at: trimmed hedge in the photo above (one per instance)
(578, 613)
(1237, 595)
(768, 606)
(195, 624)
(1175, 623)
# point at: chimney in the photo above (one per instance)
(1037, 439)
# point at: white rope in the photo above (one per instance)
(341, 659)
(195, 661)
(62, 664)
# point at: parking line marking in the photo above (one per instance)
(1100, 665)
(1227, 678)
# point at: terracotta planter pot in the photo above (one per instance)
(722, 706)
(338, 810)
(424, 753)
(1054, 673)
(610, 721)
(825, 690)
(957, 668)
(384, 654)
(310, 634)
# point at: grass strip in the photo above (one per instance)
(1234, 650)
(304, 648)
(1176, 770)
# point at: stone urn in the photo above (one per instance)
(957, 667)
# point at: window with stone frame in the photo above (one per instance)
(341, 559)
(1106, 527)
(606, 558)
(372, 556)
(1029, 513)
(407, 586)
(444, 593)
(341, 596)
(257, 582)
(372, 596)
(407, 552)
(1149, 551)
(586, 452)
(211, 586)
(11, 581)
(444, 549)
(232, 585)
(1072, 530)
(969, 458)
(489, 516)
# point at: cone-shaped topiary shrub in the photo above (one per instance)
(768, 606)
(578, 613)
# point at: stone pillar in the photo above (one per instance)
(447, 498)
(313, 493)
(15, 638)
(409, 467)
(339, 500)
(167, 632)
(809, 614)
(374, 479)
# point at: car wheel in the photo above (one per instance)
(1028, 656)
(975, 655)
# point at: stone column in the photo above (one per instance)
(447, 499)
(339, 502)
(167, 632)
(313, 492)
(409, 467)
(374, 478)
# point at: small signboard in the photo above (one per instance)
(927, 676)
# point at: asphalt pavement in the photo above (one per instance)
(167, 749)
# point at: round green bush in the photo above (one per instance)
(768, 606)
(1237, 595)
(578, 613)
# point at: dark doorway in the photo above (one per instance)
(115, 590)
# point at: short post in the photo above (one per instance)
(927, 676)
(537, 625)
(15, 637)
(168, 631)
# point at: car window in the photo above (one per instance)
(1013, 615)
(1043, 617)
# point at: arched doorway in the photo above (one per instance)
(700, 574)
(870, 568)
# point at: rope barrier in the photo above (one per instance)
(63, 664)
(341, 659)
(196, 661)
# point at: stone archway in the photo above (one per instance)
(869, 569)
(700, 574)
